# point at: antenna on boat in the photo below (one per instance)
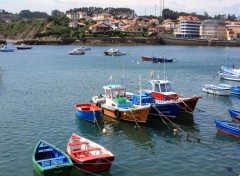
(123, 72)
(110, 78)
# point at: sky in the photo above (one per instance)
(141, 7)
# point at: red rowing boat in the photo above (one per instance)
(87, 155)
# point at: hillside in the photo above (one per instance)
(24, 29)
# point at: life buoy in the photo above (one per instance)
(117, 114)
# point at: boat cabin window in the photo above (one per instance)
(157, 87)
(168, 87)
(162, 87)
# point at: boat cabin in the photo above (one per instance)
(161, 90)
(116, 96)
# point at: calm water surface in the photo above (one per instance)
(40, 87)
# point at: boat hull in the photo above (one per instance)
(228, 76)
(228, 128)
(235, 115)
(144, 58)
(188, 104)
(88, 112)
(168, 110)
(139, 115)
(221, 92)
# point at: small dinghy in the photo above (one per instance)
(89, 112)
(229, 128)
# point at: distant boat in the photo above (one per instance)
(229, 128)
(235, 115)
(114, 52)
(220, 89)
(23, 46)
(83, 48)
(5, 49)
(89, 112)
(87, 155)
(48, 160)
(76, 51)
(156, 59)
(228, 76)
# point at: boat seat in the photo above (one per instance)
(92, 157)
(51, 159)
(85, 150)
(78, 143)
(45, 150)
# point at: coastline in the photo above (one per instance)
(102, 41)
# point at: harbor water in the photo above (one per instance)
(39, 88)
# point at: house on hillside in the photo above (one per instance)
(99, 27)
(77, 15)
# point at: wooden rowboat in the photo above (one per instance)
(89, 112)
(87, 155)
(48, 160)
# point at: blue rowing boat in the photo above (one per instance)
(89, 112)
(235, 115)
(48, 160)
(229, 128)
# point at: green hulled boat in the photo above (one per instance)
(48, 160)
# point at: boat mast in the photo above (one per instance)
(140, 90)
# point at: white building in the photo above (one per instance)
(188, 27)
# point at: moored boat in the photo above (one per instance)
(23, 46)
(220, 89)
(114, 52)
(88, 155)
(76, 51)
(161, 90)
(119, 107)
(229, 128)
(235, 115)
(159, 108)
(228, 76)
(89, 112)
(156, 59)
(48, 160)
(4, 48)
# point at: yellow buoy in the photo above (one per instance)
(104, 131)
(175, 130)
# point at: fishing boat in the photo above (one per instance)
(48, 160)
(159, 108)
(87, 155)
(76, 51)
(228, 76)
(161, 91)
(118, 106)
(235, 115)
(89, 112)
(220, 89)
(114, 52)
(229, 128)
(23, 46)
(4, 48)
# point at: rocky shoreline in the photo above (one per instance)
(126, 41)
